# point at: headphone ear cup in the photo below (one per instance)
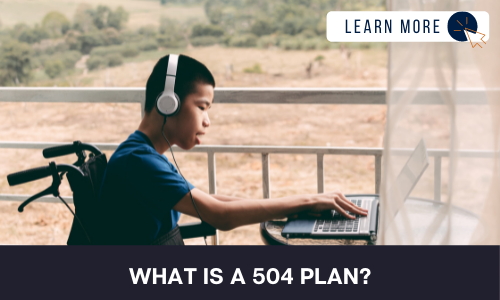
(178, 104)
(167, 105)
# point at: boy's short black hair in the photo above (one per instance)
(189, 73)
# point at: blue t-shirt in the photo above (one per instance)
(138, 193)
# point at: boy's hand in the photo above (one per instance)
(336, 200)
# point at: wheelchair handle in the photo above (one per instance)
(69, 149)
(39, 173)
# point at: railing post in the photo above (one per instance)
(212, 187)
(378, 172)
(437, 178)
(266, 177)
(321, 173)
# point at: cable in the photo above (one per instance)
(187, 185)
(76, 217)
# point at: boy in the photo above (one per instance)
(142, 192)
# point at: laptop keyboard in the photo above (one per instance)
(339, 223)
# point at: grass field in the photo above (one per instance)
(141, 12)
(231, 124)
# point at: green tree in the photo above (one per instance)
(118, 18)
(129, 51)
(114, 59)
(72, 39)
(201, 41)
(207, 30)
(15, 64)
(244, 40)
(262, 27)
(19, 28)
(55, 23)
(90, 40)
(53, 68)
(172, 28)
(148, 31)
(290, 17)
(83, 20)
(100, 16)
(148, 45)
(87, 19)
(300, 2)
(213, 10)
(111, 36)
(32, 35)
(170, 42)
(291, 25)
(173, 33)
(95, 62)
(70, 58)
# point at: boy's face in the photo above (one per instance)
(192, 121)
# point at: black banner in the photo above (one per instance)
(249, 272)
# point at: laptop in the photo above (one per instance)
(363, 227)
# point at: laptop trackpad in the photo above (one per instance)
(298, 226)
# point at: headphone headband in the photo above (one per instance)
(168, 103)
(172, 65)
(171, 73)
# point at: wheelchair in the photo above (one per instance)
(84, 177)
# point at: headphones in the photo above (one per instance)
(167, 102)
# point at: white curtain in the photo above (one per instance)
(447, 94)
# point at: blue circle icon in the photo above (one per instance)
(460, 22)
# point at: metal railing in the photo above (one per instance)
(222, 95)
(358, 96)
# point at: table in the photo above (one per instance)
(420, 214)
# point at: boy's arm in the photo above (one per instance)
(227, 198)
(226, 215)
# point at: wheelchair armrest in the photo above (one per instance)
(196, 229)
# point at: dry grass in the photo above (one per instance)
(237, 174)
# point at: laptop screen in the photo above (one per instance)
(411, 173)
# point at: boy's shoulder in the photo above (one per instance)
(137, 148)
(136, 142)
